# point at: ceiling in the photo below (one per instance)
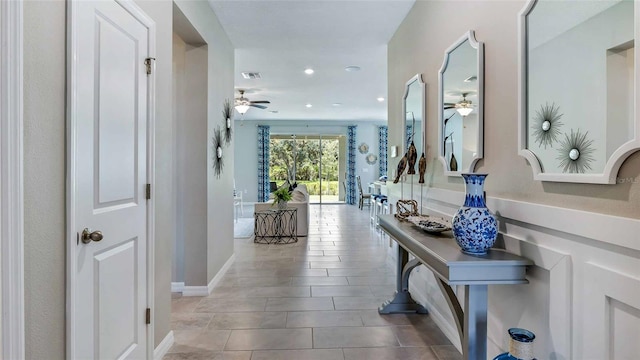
(280, 39)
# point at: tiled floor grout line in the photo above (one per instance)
(353, 260)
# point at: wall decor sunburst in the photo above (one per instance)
(226, 117)
(575, 152)
(218, 163)
(546, 125)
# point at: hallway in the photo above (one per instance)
(316, 299)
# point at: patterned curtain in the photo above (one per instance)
(263, 163)
(408, 136)
(382, 149)
(351, 166)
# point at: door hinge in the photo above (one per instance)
(147, 62)
(148, 317)
(148, 192)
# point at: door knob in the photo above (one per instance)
(88, 235)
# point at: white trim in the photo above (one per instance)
(614, 230)
(610, 171)
(223, 270)
(11, 198)
(195, 291)
(164, 346)
(72, 58)
(206, 290)
(177, 287)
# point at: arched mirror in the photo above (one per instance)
(413, 109)
(578, 108)
(461, 86)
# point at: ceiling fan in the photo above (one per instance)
(464, 107)
(242, 104)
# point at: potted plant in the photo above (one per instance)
(281, 197)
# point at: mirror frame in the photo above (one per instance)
(609, 176)
(479, 46)
(423, 97)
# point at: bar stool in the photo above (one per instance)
(373, 209)
(381, 201)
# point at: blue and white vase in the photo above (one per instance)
(474, 226)
(520, 345)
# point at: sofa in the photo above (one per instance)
(300, 201)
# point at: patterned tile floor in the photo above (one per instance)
(315, 299)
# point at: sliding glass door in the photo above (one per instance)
(314, 160)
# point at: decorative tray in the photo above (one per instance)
(430, 224)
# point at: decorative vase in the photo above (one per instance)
(282, 205)
(474, 227)
(520, 345)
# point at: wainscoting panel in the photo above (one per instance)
(612, 305)
(577, 309)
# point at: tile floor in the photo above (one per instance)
(316, 299)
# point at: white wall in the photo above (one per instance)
(190, 103)
(246, 165)
(219, 195)
(584, 286)
(44, 179)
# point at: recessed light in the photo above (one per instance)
(308, 71)
(308, 105)
(380, 99)
(336, 104)
(273, 111)
(352, 68)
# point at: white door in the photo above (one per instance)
(108, 163)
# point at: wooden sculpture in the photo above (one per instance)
(422, 168)
(401, 165)
(412, 156)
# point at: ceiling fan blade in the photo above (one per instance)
(449, 107)
(261, 102)
(258, 106)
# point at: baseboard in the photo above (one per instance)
(177, 287)
(223, 270)
(206, 290)
(195, 291)
(161, 350)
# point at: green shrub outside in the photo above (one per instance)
(313, 187)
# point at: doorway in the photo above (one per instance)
(317, 160)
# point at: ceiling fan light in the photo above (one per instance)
(464, 111)
(242, 108)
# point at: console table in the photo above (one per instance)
(441, 254)
(277, 226)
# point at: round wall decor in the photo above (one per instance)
(226, 117)
(363, 148)
(371, 159)
(218, 162)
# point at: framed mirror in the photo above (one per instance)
(578, 109)
(460, 123)
(413, 108)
